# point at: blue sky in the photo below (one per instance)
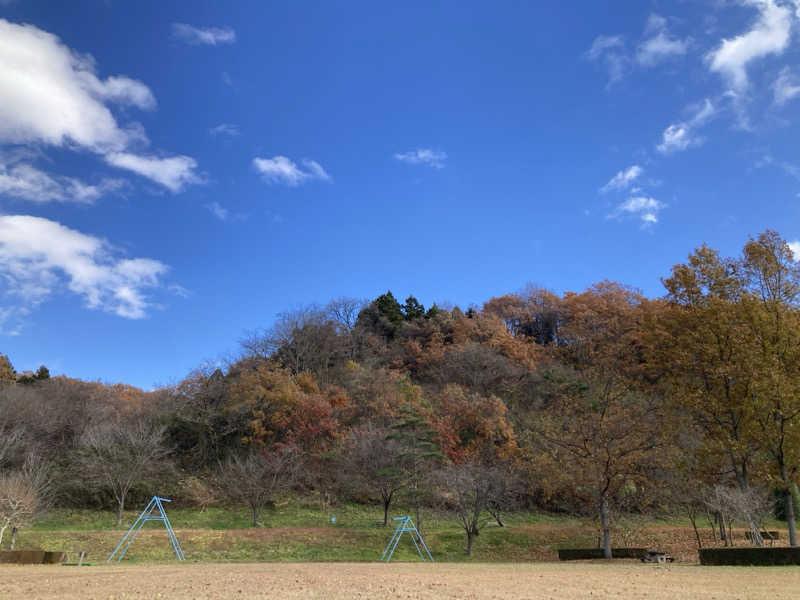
(173, 174)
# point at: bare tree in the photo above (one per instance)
(23, 495)
(470, 490)
(371, 461)
(118, 456)
(256, 478)
(10, 440)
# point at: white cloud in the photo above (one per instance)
(39, 256)
(682, 135)
(280, 169)
(52, 95)
(423, 156)
(660, 46)
(770, 34)
(216, 209)
(786, 87)
(26, 182)
(210, 36)
(225, 129)
(795, 248)
(644, 207)
(173, 172)
(609, 49)
(623, 179)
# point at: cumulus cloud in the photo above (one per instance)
(786, 87)
(680, 136)
(209, 36)
(643, 207)
(770, 34)
(660, 45)
(423, 156)
(38, 257)
(173, 172)
(225, 129)
(623, 179)
(51, 95)
(795, 248)
(280, 169)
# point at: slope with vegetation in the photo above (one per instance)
(591, 404)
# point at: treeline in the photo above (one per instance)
(593, 403)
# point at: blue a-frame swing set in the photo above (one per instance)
(155, 504)
(406, 525)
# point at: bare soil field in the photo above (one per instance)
(335, 581)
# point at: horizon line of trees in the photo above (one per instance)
(593, 403)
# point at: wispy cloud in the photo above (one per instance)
(26, 182)
(280, 169)
(770, 34)
(225, 129)
(39, 257)
(682, 135)
(222, 213)
(645, 208)
(623, 179)
(209, 36)
(786, 87)
(423, 156)
(173, 172)
(609, 50)
(660, 45)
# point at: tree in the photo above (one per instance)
(600, 429)
(729, 345)
(23, 494)
(117, 456)
(371, 460)
(412, 309)
(255, 478)
(8, 375)
(773, 280)
(419, 452)
(473, 492)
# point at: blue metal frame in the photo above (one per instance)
(405, 524)
(147, 515)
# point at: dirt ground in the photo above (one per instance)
(335, 581)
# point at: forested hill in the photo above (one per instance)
(587, 402)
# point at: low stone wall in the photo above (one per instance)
(750, 556)
(31, 557)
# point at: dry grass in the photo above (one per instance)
(629, 580)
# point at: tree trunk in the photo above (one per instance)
(255, 516)
(2, 532)
(120, 508)
(417, 518)
(386, 502)
(789, 507)
(693, 519)
(13, 540)
(470, 535)
(606, 527)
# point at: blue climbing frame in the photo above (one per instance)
(147, 515)
(406, 524)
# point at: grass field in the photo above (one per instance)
(562, 581)
(300, 531)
